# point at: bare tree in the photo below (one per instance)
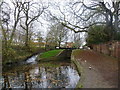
(4, 22)
(78, 16)
(32, 11)
(57, 34)
(77, 40)
(40, 39)
(18, 6)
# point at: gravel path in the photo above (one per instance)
(100, 71)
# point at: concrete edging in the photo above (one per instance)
(59, 53)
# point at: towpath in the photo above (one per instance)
(100, 71)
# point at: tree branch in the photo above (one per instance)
(22, 26)
(83, 29)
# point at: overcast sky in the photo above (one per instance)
(44, 27)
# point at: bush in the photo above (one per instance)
(8, 55)
(14, 54)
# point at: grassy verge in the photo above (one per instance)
(50, 54)
(79, 67)
(76, 52)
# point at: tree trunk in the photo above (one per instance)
(5, 38)
(59, 43)
(116, 7)
(26, 39)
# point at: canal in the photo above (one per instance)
(33, 74)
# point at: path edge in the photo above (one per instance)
(79, 69)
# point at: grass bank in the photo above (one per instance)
(50, 54)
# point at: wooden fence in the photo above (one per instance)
(110, 48)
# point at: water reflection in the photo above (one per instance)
(43, 77)
(32, 59)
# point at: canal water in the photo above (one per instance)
(55, 74)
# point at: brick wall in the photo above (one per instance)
(110, 48)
